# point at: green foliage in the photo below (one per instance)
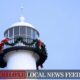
(20, 39)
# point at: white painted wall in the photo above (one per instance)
(21, 60)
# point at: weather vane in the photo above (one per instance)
(22, 8)
(22, 13)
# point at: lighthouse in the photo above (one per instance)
(21, 48)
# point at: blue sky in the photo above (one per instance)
(58, 22)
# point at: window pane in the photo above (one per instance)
(22, 30)
(16, 31)
(33, 32)
(36, 34)
(6, 34)
(11, 32)
(28, 32)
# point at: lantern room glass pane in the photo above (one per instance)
(16, 31)
(6, 34)
(11, 32)
(33, 32)
(28, 32)
(22, 30)
(36, 34)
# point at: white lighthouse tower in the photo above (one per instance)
(21, 49)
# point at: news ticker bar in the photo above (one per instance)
(39, 74)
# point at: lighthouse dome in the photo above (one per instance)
(22, 23)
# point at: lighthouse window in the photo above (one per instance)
(22, 30)
(33, 34)
(28, 32)
(36, 34)
(6, 34)
(11, 32)
(16, 31)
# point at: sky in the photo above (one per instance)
(58, 22)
